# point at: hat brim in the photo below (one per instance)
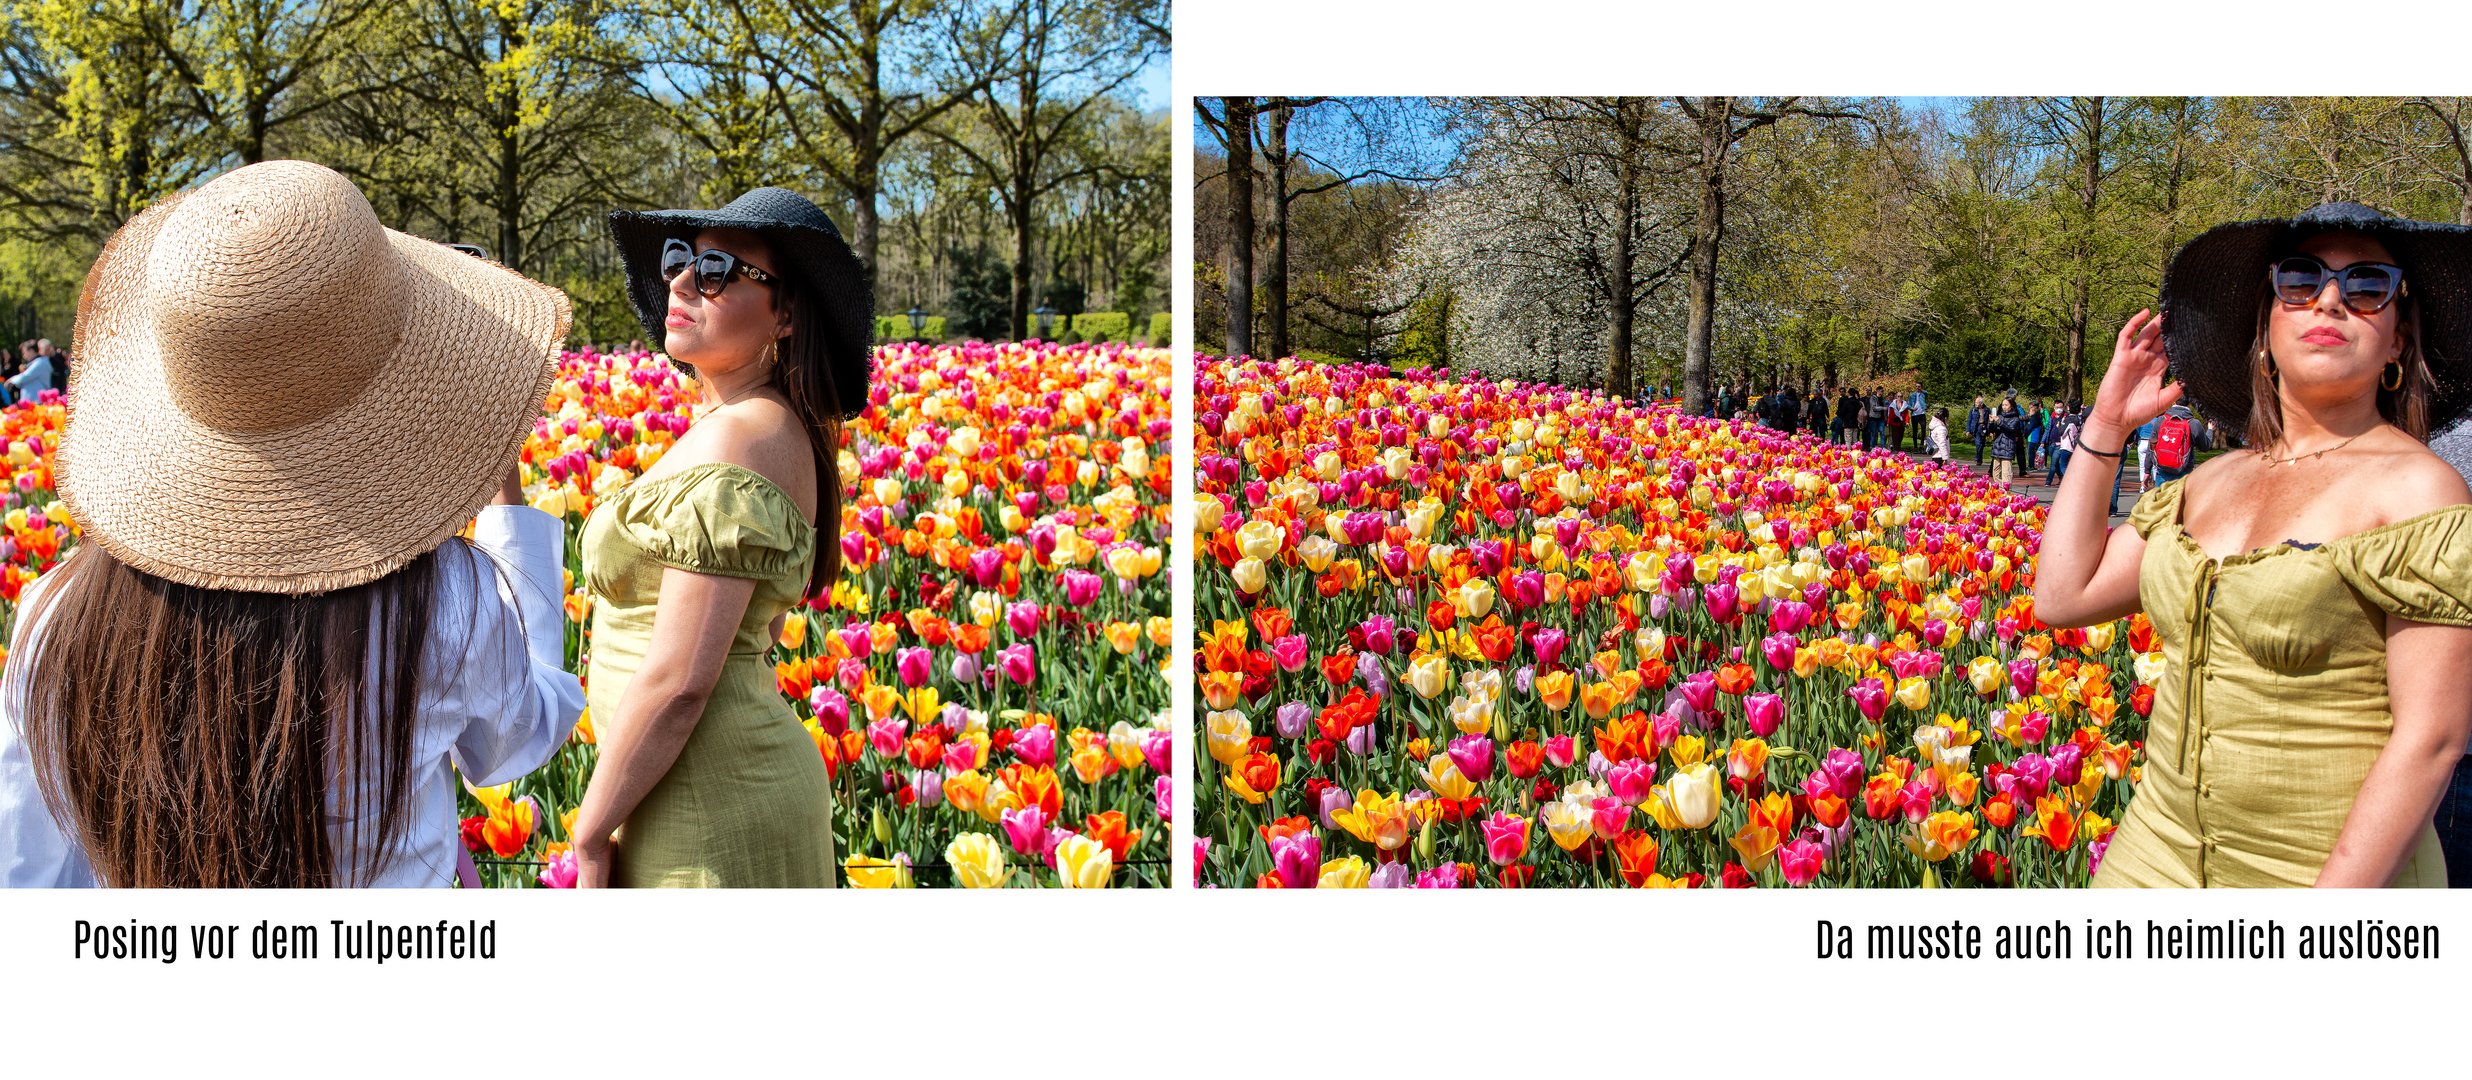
(2213, 286)
(819, 262)
(340, 500)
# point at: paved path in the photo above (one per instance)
(2043, 493)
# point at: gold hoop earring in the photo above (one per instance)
(2271, 373)
(2395, 366)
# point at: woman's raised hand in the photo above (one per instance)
(2133, 391)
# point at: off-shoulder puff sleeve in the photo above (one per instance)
(719, 519)
(2156, 507)
(2419, 568)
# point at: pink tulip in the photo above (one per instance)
(1291, 653)
(1018, 663)
(1549, 643)
(1560, 750)
(886, 735)
(1080, 587)
(857, 639)
(2021, 675)
(1700, 691)
(1631, 780)
(961, 757)
(1764, 712)
(1609, 816)
(560, 873)
(1380, 634)
(1026, 828)
(1778, 650)
(1023, 618)
(1723, 602)
(831, 710)
(1506, 837)
(1158, 749)
(1799, 861)
(915, 666)
(986, 567)
(1869, 697)
(1036, 745)
(1474, 756)
(1163, 795)
(1298, 860)
(1789, 617)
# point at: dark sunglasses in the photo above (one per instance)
(712, 268)
(2367, 287)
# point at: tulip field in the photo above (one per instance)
(985, 684)
(1457, 633)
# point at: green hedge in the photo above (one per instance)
(1099, 326)
(897, 328)
(1162, 330)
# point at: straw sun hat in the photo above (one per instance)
(2211, 291)
(277, 394)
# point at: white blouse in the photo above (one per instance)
(495, 700)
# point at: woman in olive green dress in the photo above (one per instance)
(705, 776)
(2312, 592)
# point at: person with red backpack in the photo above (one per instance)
(2177, 439)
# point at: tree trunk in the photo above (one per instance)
(1707, 231)
(1021, 258)
(2081, 284)
(866, 183)
(1276, 281)
(1239, 115)
(1621, 273)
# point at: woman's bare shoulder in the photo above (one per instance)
(760, 435)
(2413, 480)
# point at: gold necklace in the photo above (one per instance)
(2272, 462)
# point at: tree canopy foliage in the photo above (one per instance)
(517, 124)
(1959, 244)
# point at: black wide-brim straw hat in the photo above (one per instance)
(814, 258)
(2212, 288)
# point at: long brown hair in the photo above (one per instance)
(200, 737)
(805, 377)
(2406, 407)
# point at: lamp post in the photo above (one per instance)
(918, 322)
(1047, 315)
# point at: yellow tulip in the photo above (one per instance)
(1914, 693)
(2149, 667)
(1377, 819)
(1083, 863)
(1429, 675)
(1695, 794)
(1473, 599)
(1316, 552)
(1443, 778)
(869, 872)
(1688, 750)
(1260, 539)
(1986, 675)
(1230, 736)
(1251, 575)
(977, 860)
(2099, 638)
(1347, 873)
(1472, 715)
(1570, 824)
